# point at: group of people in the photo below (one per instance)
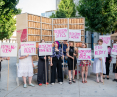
(69, 54)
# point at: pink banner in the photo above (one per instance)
(8, 49)
(28, 48)
(106, 40)
(84, 54)
(45, 49)
(114, 49)
(100, 51)
(61, 34)
(74, 35)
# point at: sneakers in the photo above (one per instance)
(115, 80)
(47, 83)
(31, 85)
(25, 86)
(60, 83)
(52, 83)
(40, 84)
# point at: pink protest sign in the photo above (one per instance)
(28, 48)
(74, 35)
(106, 39)
(61, 34)
(100, 51)
(84, 54)
(114, 49)
(45, 49)
(9, 49)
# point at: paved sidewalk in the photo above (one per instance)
(91, 89)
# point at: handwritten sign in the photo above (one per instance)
(74, 35)
(61, 34)
(100, 51)
(8, 49)
(106, 39)
(28, 48)
(114, 49)
(84, 54)
(45, 49)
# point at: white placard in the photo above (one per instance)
(9, 49)
(114, 49)
(100, 51)
(61, 33)
(45, 49)
(84, 53)
(106, 39)
(74, 35)
(28, 48)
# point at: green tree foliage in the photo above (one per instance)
(66, 9)
(7, 21)
(100, 15)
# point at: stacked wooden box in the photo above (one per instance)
(72, 23)
(47, 29)
(39, 27)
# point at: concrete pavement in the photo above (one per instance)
(91, 89)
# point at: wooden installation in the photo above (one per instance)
(34, 28)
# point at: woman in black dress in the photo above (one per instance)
(71, 53)
(41, 69)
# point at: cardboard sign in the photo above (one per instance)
(28, 48)
(100, 51)
(8, 49)
(106, 39)
(74, 35)
(114, 49)
(61, 34)
(84, 54)
(45, 49)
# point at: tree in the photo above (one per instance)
(8, 11)
(66, 9)
(100, 15)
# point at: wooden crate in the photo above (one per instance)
(36, 23)
(35, 58)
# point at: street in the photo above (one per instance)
(78, 89)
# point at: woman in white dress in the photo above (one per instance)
(25, 68)
(97, 67)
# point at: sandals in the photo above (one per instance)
(101, 80)
(70, 82)
(83, 82)
(97, 80)
(73, 81)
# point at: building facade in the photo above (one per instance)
(47, 13)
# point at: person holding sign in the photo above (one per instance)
(108, 60)
(114, 61)
(84, 64)
(71, 53)
(41, 68)
(99, 64)
(56, 61)
(25, 68)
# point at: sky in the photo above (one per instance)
(36, 6)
